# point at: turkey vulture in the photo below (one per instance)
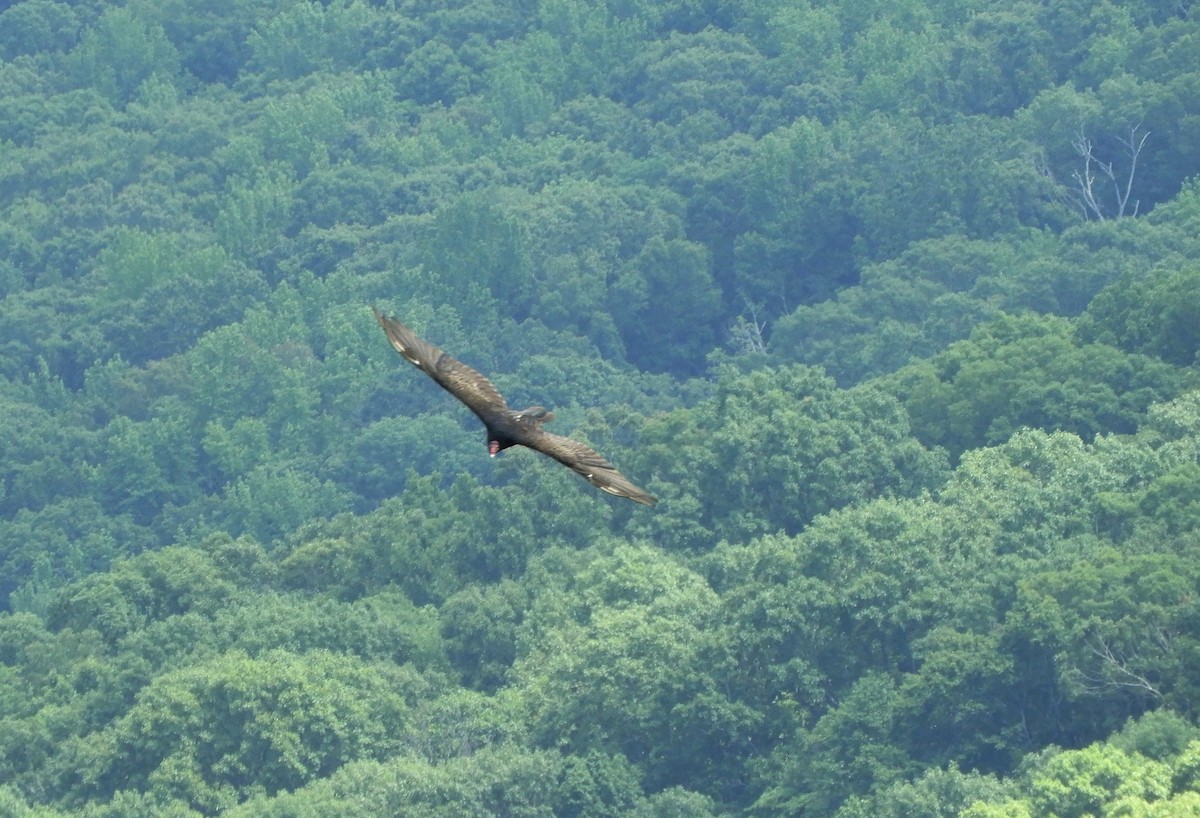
(506, 427)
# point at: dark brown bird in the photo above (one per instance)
(506, 427)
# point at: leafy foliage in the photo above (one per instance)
(892, 304)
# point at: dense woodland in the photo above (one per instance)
(895, 305)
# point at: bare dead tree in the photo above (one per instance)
(1114, 672)
(746, 335)
(1095, 171)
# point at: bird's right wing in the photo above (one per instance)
(588, 463)
(460, 380)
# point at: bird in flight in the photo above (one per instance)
(507, 427)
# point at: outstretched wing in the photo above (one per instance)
(460, 380)
(586, 462)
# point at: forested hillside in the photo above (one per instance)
(894, 305)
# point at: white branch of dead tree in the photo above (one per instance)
(1093, 169)
(1115, 672)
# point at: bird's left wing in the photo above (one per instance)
(460, 380)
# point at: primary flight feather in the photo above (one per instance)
(506, 427)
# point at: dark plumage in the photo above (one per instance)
(506, 427)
